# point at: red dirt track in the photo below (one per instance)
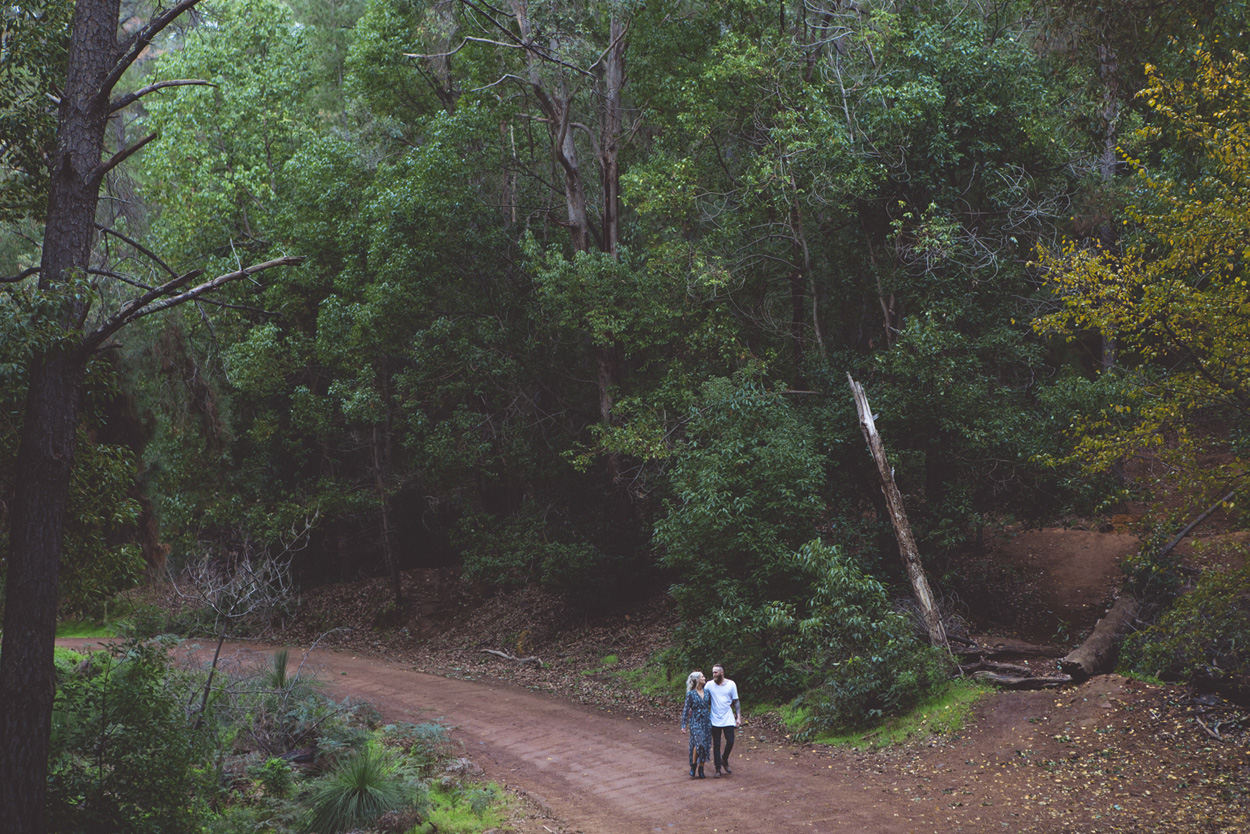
(1110, 756)
(605, 774)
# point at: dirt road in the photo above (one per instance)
(606, 774)
(1110, 756)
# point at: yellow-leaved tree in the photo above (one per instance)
(1175, 298)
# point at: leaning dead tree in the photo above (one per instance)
(898, 517)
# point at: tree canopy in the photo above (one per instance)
(579, 284)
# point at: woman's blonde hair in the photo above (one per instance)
(693, 680)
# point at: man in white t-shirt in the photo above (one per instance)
(726, 716)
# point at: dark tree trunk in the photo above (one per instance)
(45, 455)
(381, 469)
(46, 448)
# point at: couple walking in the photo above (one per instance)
(711, 711)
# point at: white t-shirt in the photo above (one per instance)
(723, 696)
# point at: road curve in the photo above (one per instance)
(605, 773)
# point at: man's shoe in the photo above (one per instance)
(726, 768)
(716, 775)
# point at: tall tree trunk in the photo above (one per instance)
(46, 448)
(381, 465)
(1108, 232)
(609, 142)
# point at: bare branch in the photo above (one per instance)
(118, 158)
(133, 47)
(145, 306)
(131, 98)
(21, 276)
(117, 276)
(498, 81)
(109, 230)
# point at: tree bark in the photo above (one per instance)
(898, 517)
(46, 448)
(45, 456)
(381, 466)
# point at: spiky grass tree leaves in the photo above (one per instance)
(358, 791)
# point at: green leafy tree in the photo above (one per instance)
(34, 38)
(745, 495)
(1172, 296)
(56, 367)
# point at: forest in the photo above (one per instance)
(567, 292)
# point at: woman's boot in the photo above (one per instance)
(701, 770)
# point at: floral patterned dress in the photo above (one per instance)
(697, 715)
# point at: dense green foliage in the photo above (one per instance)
(129, 755)
(123, 755)
(1202, 638)
(583, 284)
(862, 660)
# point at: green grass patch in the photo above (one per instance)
(64, 658)
(71, 629)
(942, 715)
(468, 810)
(605, 665)
(653, 681)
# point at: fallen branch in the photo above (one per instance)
(999, 668)
(1024, 682)
(907, 548)
(536, 661)
(1007, 649)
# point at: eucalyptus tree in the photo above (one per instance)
(70, 282)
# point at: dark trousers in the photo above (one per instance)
(718, 758)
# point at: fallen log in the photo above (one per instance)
(1008, 649)
(1096, 655)
(1022, 681)
(536, 661)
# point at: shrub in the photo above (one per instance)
(123, 756)
(360, 790)
(275, 776)
(1202, 639)
(745, 483)
(862, 660)
(425, 746)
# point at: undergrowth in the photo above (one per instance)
(941, 715)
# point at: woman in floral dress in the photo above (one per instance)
(696, 719)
